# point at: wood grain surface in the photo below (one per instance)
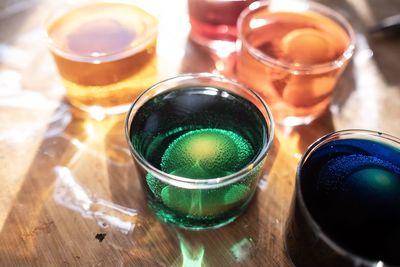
(69, 193)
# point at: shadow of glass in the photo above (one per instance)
(124, 184)
(344, 88)
(385, 44)
(311, 132)
(386, 49)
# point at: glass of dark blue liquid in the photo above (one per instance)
(346, 205)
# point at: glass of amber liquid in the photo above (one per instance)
(292, 55)
(105, 54)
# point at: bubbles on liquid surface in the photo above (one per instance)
(359, 173)
(207, 153)
(362, 187)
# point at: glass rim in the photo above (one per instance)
(314, 225)
(142, 42)
(189, 183)
(300, 68)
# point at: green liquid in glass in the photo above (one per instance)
(199, 133)
(206, 153)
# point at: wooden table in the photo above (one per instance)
(68, 182)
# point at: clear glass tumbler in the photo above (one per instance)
(293, 55)
(105, 53)
(346, 205)
(214, 23)
(199, 142)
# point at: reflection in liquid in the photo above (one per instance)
(73, 196)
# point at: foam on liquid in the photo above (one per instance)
(206, 153)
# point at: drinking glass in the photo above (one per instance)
(105, 53)
(346, 206)
(199, 143)
(292, 55)
(214, 23)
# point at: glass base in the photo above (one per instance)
(99, 112)
(222, 48)
(190, 223)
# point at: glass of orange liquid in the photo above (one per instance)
(292, 55)
(105, 53)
